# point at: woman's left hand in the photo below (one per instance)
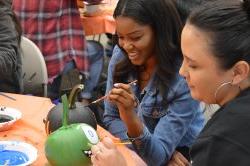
(105, 153)
(178, 159)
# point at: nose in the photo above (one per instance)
(126, 45)
(182, 71)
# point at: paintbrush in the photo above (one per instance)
(103, 97)
(89, 152)
(123, 143)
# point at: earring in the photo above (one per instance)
(219, 88)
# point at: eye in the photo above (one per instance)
(135, 38)
(192, 66)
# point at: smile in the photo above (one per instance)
(132, 55)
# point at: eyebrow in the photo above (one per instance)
(134, 32)
(189, 58)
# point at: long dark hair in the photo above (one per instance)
(184, 7)
(228, 24)
(164, 19)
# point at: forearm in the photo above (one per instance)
(113, 122)
(151, 149)
(134, 125)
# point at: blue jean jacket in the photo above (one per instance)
(165, 127)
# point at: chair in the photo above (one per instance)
(34, 71)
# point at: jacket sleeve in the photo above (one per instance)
(8, 47)
(157, 148)
(112, 119)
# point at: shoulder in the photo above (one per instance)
(240, 105)
(179, 92)
(229, 124)
(217, 150)
(117, 54)
(116, 57)
(178, 85)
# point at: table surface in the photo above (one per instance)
(30, 128)
(100, 22)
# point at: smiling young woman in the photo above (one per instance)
(165, 117)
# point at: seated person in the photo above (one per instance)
(10, 57)
(56, 28)
(157, 114)
(218, 72)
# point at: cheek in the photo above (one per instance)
(146, 44)
(203, 87)
(199, 86)
(146, 50)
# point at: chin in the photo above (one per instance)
(201, 98)
(195, 96)
(136, 62)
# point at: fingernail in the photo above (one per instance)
(116, 85)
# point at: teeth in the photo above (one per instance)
(132, 55)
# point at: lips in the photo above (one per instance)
(132, 55)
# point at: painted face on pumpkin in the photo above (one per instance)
(89, 132)
(92, 137)
(76, 139)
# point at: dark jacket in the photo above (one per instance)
(225, 140)
(10, 58)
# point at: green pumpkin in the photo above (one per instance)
(70, 145)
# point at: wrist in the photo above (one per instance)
(135, 127)
(137, 140)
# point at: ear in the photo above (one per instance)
(240, 72)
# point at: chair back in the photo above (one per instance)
(34, 70)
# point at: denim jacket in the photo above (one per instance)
(165, 127)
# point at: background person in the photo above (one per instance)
(10, 57)
(56, 28)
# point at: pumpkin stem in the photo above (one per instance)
(65, 109)
(72, 96)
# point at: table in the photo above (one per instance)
(30, 127)
(98, 24)
(101, 23)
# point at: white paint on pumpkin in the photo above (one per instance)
(90, 133)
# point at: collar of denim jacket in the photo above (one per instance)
(151, 88)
